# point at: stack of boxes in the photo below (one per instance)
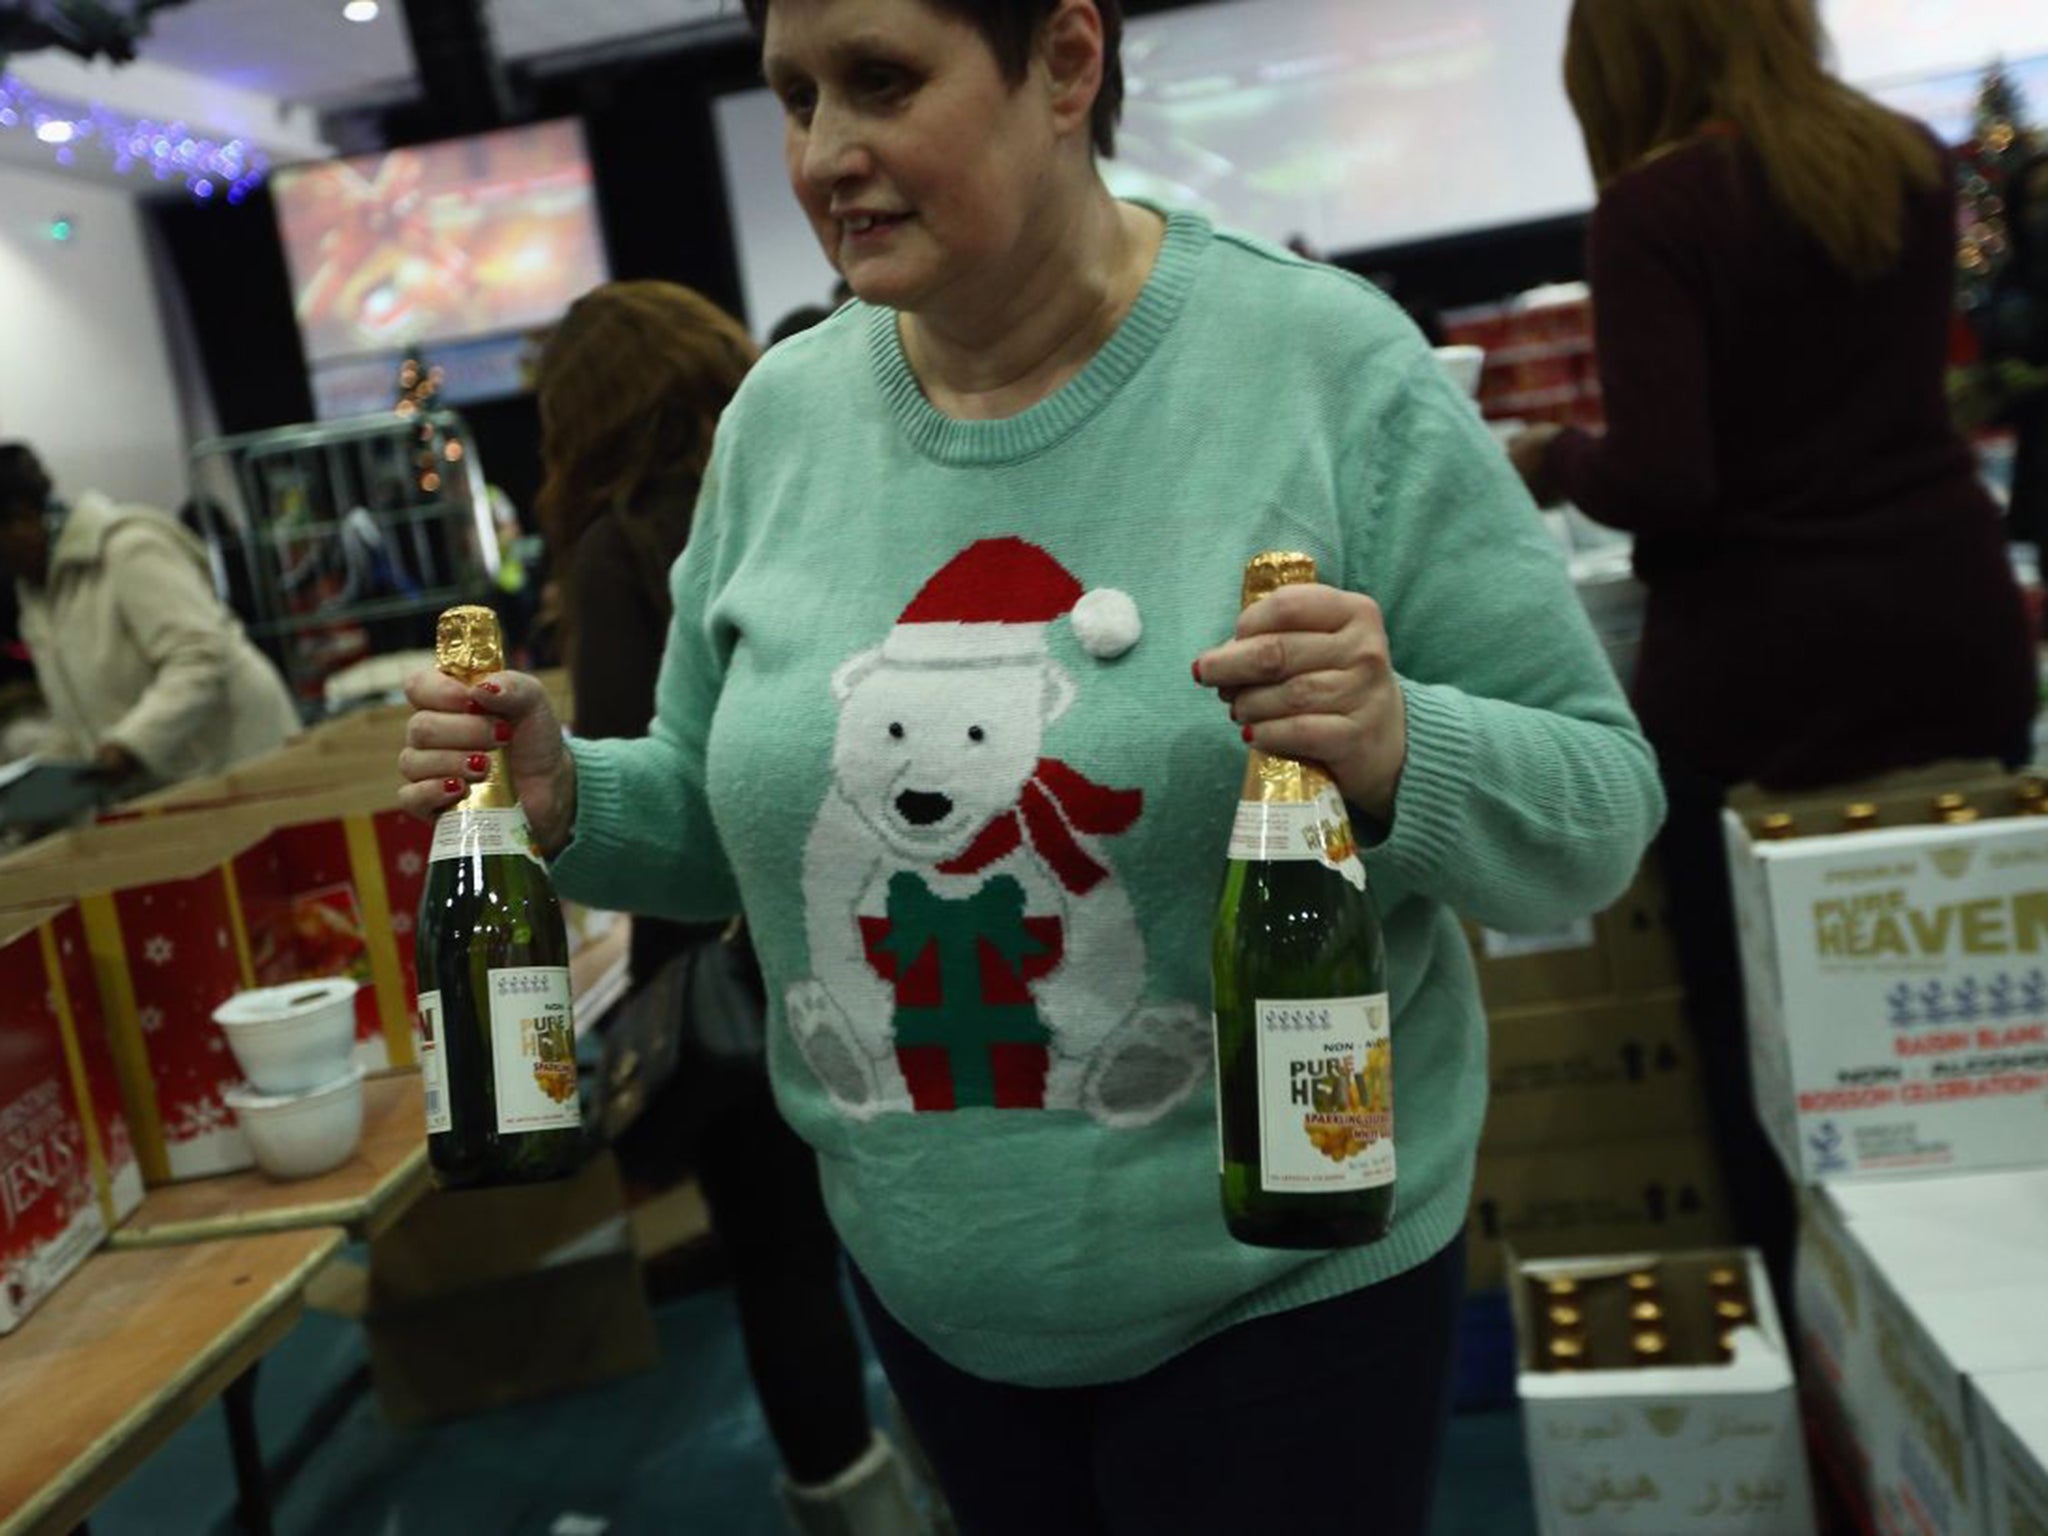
(1895, 958)
(1595, 1135)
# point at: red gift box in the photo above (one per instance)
(68, 1170)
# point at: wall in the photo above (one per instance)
(85, 369)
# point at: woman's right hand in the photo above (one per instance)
(457, 724)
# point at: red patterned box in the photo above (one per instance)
(68, 1171)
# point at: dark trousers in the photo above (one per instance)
(1328, 1418)
(1693, 854)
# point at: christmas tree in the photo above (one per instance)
(2000, 142)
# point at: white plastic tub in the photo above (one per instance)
(296, 1135)
(291, 1038)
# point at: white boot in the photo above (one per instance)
(870, 1498)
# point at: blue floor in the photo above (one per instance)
(679, 1451)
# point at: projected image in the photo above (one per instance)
(466, 238)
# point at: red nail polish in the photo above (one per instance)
(451, 786)
(490, 688)
(1247, 733)
(478, 763)
(502, 730)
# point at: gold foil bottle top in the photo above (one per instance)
(1566, 1353)
(2032, 795)
(1644, 1284)
(1274, 569)
(1650, 1347)
(1961, 816)
(1724, 1277)
(1561, 1288)
(1566, 1318)
(1731, 1311)
(1646, 1313)
(1859, 816)
(468, 644)
(1776, 827)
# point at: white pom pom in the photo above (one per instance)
(1106, 623)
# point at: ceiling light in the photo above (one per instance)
(56, 131)
(359, 10)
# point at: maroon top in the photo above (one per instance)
(1829, 592)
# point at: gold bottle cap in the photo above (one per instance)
(1961, 816)
(1949, 802)
(1724, 1277)
(468, 643)
(1859, 816)
(1566, 1318)
(1724, 1344)
(1561, 1287)
(1644, 1282)
(1646, 1311)
(1650, 1347)
(1731, 1311)
(1566, 1354)
(1274, 569)
(2032, 793)
(1776, 827)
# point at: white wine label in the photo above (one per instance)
(1316, 831)
(467, 834)
(1326, 1095)
(533, 1049)
(433, 1065)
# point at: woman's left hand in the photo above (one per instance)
(1309, 675)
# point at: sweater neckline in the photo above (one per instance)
(1037, 428)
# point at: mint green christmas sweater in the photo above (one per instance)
(926, 714)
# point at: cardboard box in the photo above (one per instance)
(2011, 1419)
(483, 1298)
(1660, 1192)
(1584, 1073)
(1625, 951)
(170, 939)
(1897, 982)
(68, 1172)
(1912, 1294)
(1672, 1449)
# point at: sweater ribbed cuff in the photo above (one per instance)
(600, 832)
(1436, 783)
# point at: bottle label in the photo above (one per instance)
(1290, 831)
(1326, 1095)
(466, 833)
(434, 1066)
(533, 1049)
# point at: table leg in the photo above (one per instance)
(252, 1504)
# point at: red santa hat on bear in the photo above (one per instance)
(993, 601)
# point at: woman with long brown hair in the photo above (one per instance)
(1829, 595)
(630, 389)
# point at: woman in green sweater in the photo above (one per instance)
(925, 710)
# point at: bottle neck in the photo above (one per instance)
(495, 793)
(1270, 779)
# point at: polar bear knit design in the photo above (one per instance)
(971, 945)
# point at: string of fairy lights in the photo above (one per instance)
(164, 151)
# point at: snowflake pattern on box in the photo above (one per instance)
(151, 1019)
(1997, 998)
(158, 950)
(410, 863)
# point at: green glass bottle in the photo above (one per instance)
(498, 1047)
(1304, 1049)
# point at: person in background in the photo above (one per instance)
(630, 388)
(1828, 592)
(143, 668)
(926, 713)
(2016, 348)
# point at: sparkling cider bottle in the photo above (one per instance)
(1304, 1050)
(498, 1048)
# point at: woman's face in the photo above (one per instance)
(919, 167)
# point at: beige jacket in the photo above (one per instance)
(132, 646)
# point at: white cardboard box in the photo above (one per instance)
(1897, 983)
(1671, 1450)
(2011, 1418)
(1911, 1294)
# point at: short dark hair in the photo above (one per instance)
(1010, 27)
(24, 484)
